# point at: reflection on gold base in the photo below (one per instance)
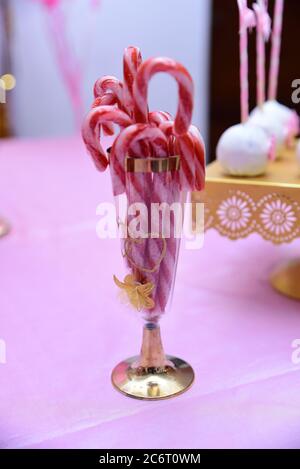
(4, 228)
(153, 383)
(286, 279)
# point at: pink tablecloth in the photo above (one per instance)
(65, 330)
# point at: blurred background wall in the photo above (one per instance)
(97, 36)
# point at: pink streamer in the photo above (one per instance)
(68, 65)
(276, 47)
(70, 69)
(263, 27)
(247, 20)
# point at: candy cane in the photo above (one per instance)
(158, 117)
(108, 90)
(247, 20)
(165, 190)
(263, 26)
(107, 100)
(145, 256)
(110, 84)
(275, 52)
(186, 151)
(199, 152)
(132, 59)
(91, 131)
(185, 86)
(126, 139)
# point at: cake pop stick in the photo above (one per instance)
(263, 31)
(91, 131)
(287, 119)
(247, 20)
(266, 120)
(185, 86)
(244, 149)
(275, 51)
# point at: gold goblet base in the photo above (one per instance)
(286, 279)
(153, 383)
(4, 227)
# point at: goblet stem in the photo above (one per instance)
(152, 375)
(152, 351)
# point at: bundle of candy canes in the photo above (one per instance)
(146, 134)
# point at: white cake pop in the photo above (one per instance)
(244, 150)
(278, 120)
(270, 124)
(287, 118)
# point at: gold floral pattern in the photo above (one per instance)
(236, 214)
(278, 217)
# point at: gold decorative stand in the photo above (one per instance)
(4, 227)
(152, 375)
(268, 205)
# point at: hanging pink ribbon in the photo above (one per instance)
(247, 16)
(69, 66)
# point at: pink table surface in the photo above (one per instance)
(65, 329)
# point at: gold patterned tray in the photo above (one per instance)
(268, 205)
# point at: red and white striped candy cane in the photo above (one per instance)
(109, 84)
(185, 86)
(125, 140)
(132, 59)
(91, 131)
(159, 117)
(166, 191)
(199, 152)
(143, 257)
(187, 162)
(106, 100)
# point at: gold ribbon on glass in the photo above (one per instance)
(152, 164)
